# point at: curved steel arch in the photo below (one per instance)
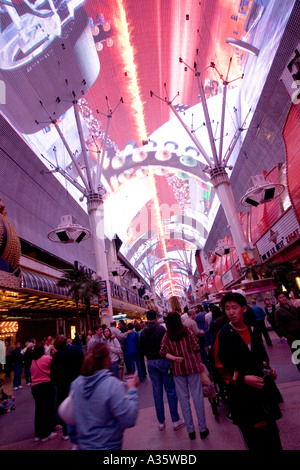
(151, 160)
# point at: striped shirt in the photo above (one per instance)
(188, 348)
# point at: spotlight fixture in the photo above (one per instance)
(118, 269)
(222, 248)
(69, 231)
(261, 192)
(136, 284)
(245, 46)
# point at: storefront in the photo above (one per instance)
(8, 331)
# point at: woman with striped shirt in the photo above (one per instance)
(180, 346)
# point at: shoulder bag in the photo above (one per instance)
(66, 410)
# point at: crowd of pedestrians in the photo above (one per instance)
(99, 373)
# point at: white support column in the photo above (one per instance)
(222, 186)
(152, 289)
(96, 216)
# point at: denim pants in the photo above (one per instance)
(186, 385)
(158, 370)
(135, 359)
(114, 368)
(18, 369)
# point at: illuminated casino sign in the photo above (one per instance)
(282, 234)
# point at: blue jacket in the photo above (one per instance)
(259, 312)
(131, 343)
(200, 320)
(103, 409)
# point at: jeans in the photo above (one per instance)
(186, 385)
(158, 370)
(27, 375)
(18, 369)
(114, 368)
(261, 326)
(135, 358)
(203, 353)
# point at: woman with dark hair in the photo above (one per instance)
(116, 353)
(43, 394)
(104, 406)
(243, 363)
(180, 346)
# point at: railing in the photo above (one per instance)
(120, 292)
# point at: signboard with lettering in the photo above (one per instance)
(232, 274)
(103, 298)
(282, 234)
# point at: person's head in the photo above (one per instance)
(60, 342)
(97, 358)
(38, 350)
(107, 333)
(253, 301)
(186, 309)
(151, 315)
(283, 298)
(235, 306)
(292, 295)
(191, 314)
(199, 309)
(175, 328)
(216, 312)
(122, 323)
(113, 323)
(267, 301)
(98, 330)
(130, 326)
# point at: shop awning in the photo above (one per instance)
(41, 282)
(259, 285)
(256, 290)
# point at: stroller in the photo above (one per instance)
(7, 402)
(219, 386)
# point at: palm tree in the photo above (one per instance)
(82, 287)
(283, 273)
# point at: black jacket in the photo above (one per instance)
(64, 368)
(150, 340)
(248, 405)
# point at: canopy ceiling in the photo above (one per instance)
(108, 56)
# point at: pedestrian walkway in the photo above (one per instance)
(16, 428)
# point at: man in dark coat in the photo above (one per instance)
(65, 367)
(288, 323)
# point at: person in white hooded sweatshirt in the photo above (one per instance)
(104, 406)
